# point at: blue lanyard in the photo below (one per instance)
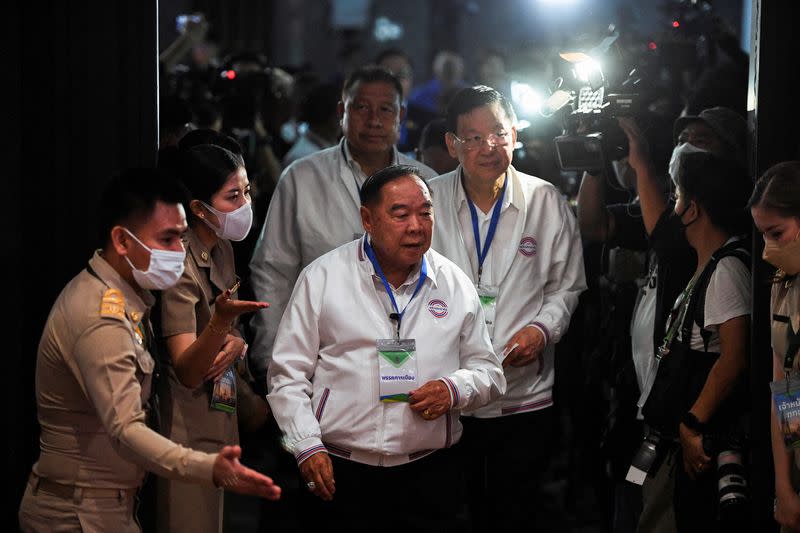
(397, 315)
(492, 226)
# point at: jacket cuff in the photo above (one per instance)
(455, 397)
(308, 447)
(545, 331)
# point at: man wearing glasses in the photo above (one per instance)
(516, 238)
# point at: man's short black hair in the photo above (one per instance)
(371, 189)
(372, 74)
(131, 196)
(470, 98)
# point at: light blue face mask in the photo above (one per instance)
(164, 270)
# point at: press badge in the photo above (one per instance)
(223, 396)
(786, 397)
(397, 364)
(488, 297)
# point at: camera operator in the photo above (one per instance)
(695, 403)
(645, 224)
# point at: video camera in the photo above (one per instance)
(590, 104)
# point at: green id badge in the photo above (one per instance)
(223, 396)
(397, 365)
(786, 397)
(488, 297)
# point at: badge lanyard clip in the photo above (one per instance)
(394, 317)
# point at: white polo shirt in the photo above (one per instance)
(323, 378)
(314, 209)
(535, 260)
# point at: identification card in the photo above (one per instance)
(397, 364)
(223, 396)
(488, 297)
(786, 397)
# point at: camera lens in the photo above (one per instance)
(732, 483)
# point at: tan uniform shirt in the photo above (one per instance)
(186, 414)
(187, 308)
(93, 377)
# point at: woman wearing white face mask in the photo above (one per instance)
(198, 315)
(775, 206)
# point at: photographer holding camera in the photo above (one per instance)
(647, 224)
(694, 401)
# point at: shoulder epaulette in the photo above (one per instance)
(113, 304)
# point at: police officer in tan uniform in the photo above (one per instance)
(94, 373)
(202, 348)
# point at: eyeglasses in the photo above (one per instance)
(476, 141)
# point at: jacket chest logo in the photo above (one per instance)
(527, 246)
(437, 308)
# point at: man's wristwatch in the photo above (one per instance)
(691, 422)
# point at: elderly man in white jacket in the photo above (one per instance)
(382, 344)
(516, 238)
(315, 205)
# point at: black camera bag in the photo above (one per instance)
(682, 372)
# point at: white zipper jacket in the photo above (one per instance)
(536, 262)
(323, 378)
(314, 209)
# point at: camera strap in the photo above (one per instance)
(676, 318)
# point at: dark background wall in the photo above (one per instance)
(84, 103)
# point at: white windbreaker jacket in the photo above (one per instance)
(314, 209)
(323, 379)
(539, 273)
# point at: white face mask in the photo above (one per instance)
(233, 226)
(164, 270)
(677, 155)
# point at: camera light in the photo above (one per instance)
(526, 98)
(586, 68)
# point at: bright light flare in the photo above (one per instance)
(586, 68)
(527, 100)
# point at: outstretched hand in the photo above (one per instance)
(232, 475)
(228, 309)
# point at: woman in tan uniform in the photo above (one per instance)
(775, 206)
(198, 315)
